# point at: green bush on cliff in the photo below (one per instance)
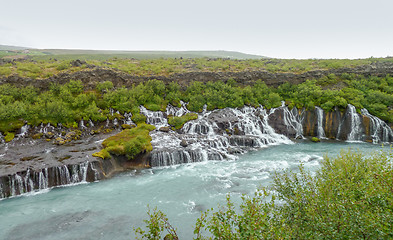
(129, 142)
(178, 122)
(350, 197)
(9, 136)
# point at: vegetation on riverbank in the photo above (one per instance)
(350, 197)
(69, 103)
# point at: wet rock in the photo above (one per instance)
(183, 143)
(59, 141)
(164, 129)
(49, 135)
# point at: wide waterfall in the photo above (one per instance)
(45, 178)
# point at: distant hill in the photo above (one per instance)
(7, 47)
(69, 54)
(105, 54)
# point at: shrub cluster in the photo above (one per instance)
(69, 103)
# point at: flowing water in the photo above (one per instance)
(109, 209)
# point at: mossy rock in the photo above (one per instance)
(129, 142)
(127, 126)
(9, 136)
(315, 139)
(37, 136)
(104, 154)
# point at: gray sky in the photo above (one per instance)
(274, 28)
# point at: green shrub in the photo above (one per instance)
(138, 118)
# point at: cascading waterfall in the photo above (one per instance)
(379, 130)
(206, 140)
(155, 118)
(177, 112)
(320, 131)
(355, 134)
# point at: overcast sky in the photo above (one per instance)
(274, 28)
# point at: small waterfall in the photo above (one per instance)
(43, 181)
(155, 118)
(320, 131)
(127, 119)
(356, 130)
(107, 123)
(91, 124)
(379, 130)
(177, 112)
(82, 125)
(23, 131)
(292, 120)
(115, 122)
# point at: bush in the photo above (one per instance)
(350, 197)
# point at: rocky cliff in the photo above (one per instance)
(91, 76)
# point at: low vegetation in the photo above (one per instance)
(129, 142)
(350, 197)
(178, 122)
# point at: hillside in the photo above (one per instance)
(73, 54)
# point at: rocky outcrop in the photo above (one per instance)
(91, 76)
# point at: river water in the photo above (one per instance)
(110, 209)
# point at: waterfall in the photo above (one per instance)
(320, 131)
(91, 124)
(23, 131)
(215, 135)
(155, 118)
(379, 130)
(292, 120)
(355, 134)
(46, 178)
(177, 112)
(127, 118)
(82, 124)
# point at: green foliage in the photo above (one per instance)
(155, 225)
(129, 142)
(104, 86)
(138, 118)
(350, 197)
(178, 122)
